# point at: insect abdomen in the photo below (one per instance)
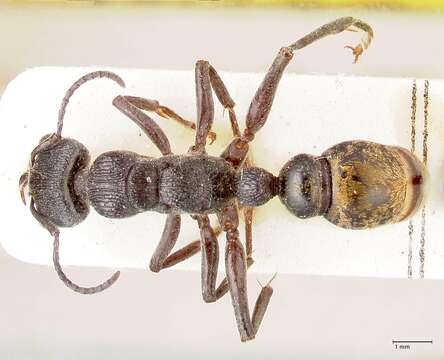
(373, 184)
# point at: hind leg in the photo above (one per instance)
(236, 265)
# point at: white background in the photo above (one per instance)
(163, 315)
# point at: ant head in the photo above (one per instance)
(305, 186)
(55, 177)
(53, 180)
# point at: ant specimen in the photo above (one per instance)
(355, 184)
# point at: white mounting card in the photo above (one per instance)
(310, 113)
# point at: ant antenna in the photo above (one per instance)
(54, 231)
(76, 85)
(82, 290)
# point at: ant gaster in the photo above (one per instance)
(355, 184)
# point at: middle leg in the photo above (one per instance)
(162, 257)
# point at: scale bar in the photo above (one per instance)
(412, 341)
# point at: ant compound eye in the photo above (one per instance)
(305, 186)
(52, 182)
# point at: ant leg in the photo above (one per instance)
(161, 258)
(261, 104)
(262, 101)
(267, 290)
(337, 26)
(187, 251)
(236, 269)
(165, 112)
(167, 242)
(207, 79)
(149, 127)
(225, 99)
(210, 261)
(248, 217)
(205, 106)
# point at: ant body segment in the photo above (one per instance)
(355, 184)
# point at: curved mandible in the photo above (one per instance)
(76, 85)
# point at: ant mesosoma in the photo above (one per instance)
(355, 184)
